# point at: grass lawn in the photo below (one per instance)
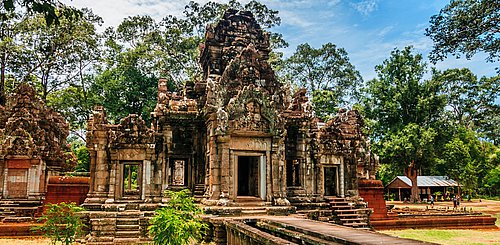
(450, 236)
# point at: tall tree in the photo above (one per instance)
(8, 31)
(140, 50)
(403, 109)
(326, 73)
(51, 10)
(465, 27)
(54, 56)
(471, 101)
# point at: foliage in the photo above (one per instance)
(403, 109)
(492, 178)
(466, 27)
(51, 10)
(179, 222)
(55, 56)
(62, 223)
(83, 156)
(141, 50)
(386, 173)
(326, 73)
(471, 101)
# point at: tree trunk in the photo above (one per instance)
(2, 71)
(412, 174)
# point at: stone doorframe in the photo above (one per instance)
(262, 176)
(332, 161)
(140, 179)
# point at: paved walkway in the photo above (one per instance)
(340, 233)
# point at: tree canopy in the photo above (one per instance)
(326, 73)
(465, 27)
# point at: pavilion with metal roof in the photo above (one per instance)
(427, 185)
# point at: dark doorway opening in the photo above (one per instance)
(248, 176)
(292, 172)
(330, 182)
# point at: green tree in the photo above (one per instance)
(462, 159)
(8, 30)
(62, 223)
(403, 110)
(141, 50)
(465, 27)
(55, 56)
(52, 10)
(471, 101)
(179, 222)
(327, 74)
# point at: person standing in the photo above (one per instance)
(454, 202)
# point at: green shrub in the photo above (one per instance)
(179, 222)
(62, 223)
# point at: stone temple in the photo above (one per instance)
(32, 148)
(236, 136)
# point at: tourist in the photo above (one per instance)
(454, 202)
(432, 201)
(458, 201)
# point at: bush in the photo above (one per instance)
(62, 223)
(179, 222)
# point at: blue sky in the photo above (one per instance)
(368, 29)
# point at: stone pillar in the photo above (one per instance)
(225, 165)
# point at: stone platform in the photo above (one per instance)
(436, 222)
(294, 230)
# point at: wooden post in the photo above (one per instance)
(399, 193)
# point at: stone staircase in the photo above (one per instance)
(309, 206)
(252, 205)
(124, 222)
(15, 211)
(348, 214)
(127, 227)
(198, 191)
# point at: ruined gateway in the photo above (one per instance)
(233, 137)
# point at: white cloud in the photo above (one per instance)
(365, 7)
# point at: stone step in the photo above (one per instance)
(355, 225)
(127, 221)
(346, 211)
(121, 227)
(126, 240)
(128, 214)
(335, 199)
(347, 215)
(341, 207)
(254, 212)
(352, 219)
(335, 204)
(253, 204)
(127, 234)
(17, 219)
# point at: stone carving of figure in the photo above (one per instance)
(222, 119)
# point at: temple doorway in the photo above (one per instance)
(248, 176)
(132, 180)
(330, 181)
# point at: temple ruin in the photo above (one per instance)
(32, 148)
(235, 136)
